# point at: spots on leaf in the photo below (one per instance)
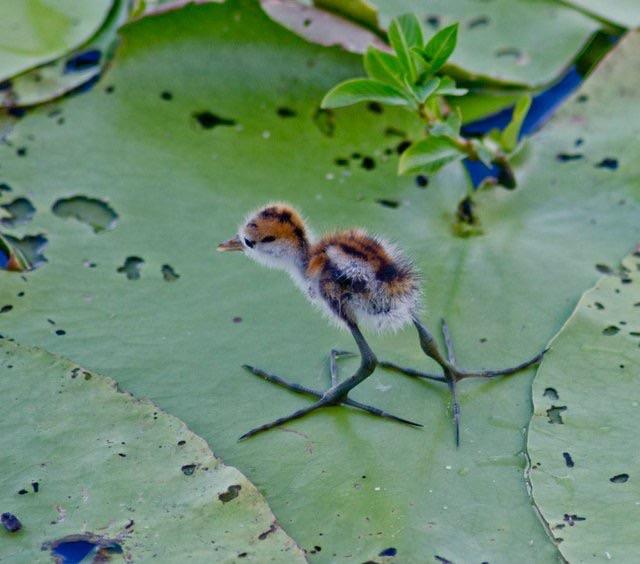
(619, 478)
(368, 163)
(10, 522)
(608, 163)
(554, 414)
(572, 519)
(166, 95)
(209, 120)
(83, 61)
(188, 469)
(567, 157)
(568, 460)
(231, 493)
(286, 112)
(611, 330)
(422, 181)
(514, 53)
(168, 273)
(388, 203)
(551, 393)
(131, 267)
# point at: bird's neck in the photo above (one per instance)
(297, 264)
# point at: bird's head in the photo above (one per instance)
(275, 235)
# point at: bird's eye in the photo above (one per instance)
(268, 239)
(249, 243)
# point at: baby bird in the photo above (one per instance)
(356, 280)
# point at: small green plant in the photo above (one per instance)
(412, 77)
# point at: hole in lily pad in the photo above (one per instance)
(32, 248)
(368, 163)
(83, 61)
(166, 95)
(131, 267)
(388, 552)
(551, 393)
(168, 273)
(188, 469)
(75, 548)
(568, 460)
(10, 522)
(21, 210)
(609, 163)
(209, 120)
(611, 330)
(231, 493)
(99, 215)
(619, 478)
(554, 414)
(422, 181)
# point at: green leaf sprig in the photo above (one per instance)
(413, 77)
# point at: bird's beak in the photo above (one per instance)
(231, 245)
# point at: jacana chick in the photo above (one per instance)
(357, 280)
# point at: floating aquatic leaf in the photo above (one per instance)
(88, 467)
(491, 43)
(34, 32)
(585, 471)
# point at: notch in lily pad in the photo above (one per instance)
(98, 214)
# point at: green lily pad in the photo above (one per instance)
(583, 445)
(70, 71)
(493, 42)
(33, 32)
(85, 462)
(212, 110)
(625, 13)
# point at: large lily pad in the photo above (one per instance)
(583, 445)
(625, 13)
(86, 464)
(33, 32)
(494, 41)
(71, 71)
(212, 110)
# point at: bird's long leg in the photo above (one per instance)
(451, 373)
(336, 394)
